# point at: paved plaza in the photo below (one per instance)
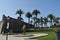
(19, 37)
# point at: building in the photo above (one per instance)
(15, 25)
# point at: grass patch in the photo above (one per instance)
(51, 36)
(51, 33)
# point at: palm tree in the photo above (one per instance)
(28, 15)
(34, 18)
(56, 20)
(31, 21)
(20, 12)
(36, 12)
(45, 21)
(41, 19)
(38, 22)
(51, 16)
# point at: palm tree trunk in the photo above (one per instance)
(34, 23)
(51, 23)
(36, 20)
(20, 15)
(29, 20)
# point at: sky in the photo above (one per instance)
(9, 7)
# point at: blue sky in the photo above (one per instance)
(9, 7)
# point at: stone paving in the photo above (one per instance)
(19, 37)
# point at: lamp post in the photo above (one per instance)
(7, 28)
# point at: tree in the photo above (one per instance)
(28, 15)
(45, 21)
(41, 19)
(51, 17)
(36, 12)
(31, 21)
(56, 20)
(34, 18)
(20, 12)
(38, 22)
